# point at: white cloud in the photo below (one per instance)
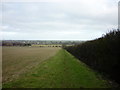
(73, 19)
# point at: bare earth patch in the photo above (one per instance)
(18, 60)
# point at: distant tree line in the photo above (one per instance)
(43, 42)
(102, 54)
(15, 44)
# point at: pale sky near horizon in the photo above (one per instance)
(57, 19)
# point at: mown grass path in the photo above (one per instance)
(60, 71)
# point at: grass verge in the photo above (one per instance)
(60, 71)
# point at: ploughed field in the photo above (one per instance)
(17, 60)
(36, 67)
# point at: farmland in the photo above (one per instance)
(17, 60)
(42, 67)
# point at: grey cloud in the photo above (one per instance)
(58, 20)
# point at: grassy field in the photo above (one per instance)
(60, 71)
(57, 45)
(47, 45)
(18, 60)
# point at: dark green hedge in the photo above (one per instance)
(102, 54)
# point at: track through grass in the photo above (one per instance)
(60, 71)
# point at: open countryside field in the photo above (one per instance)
(57, 45)
(46, 68)
(18, 60)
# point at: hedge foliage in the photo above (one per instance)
(102, 54)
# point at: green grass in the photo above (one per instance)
(60, 71)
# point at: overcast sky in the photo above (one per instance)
(58, 19)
